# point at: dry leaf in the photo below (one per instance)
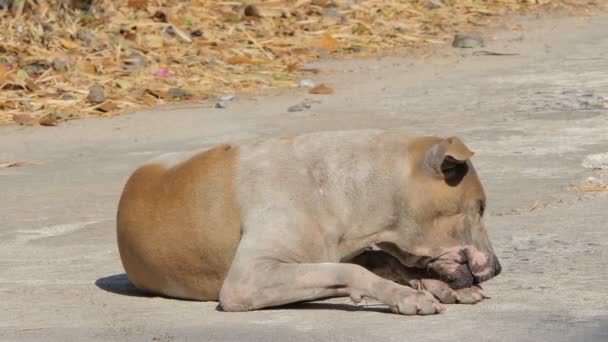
(239, 60)
(87, 68)
(149, 100)
(153, 41)
(25, 119)
(4, 70)
(594, 188)
(49, 120)
(107, 106)
(31, 86)
(160, 94)
(68, 44)
(322, 3)
(321, 89)
(4, 165)
(328, 43)
(138, 4)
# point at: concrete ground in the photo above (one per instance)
(530, 118)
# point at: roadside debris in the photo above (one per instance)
(51, 119)
(467, 41)
(306, 83)
(223, 100)
(306, 104)
(299, 107)
(321, 89)
(596, 161)
(96, 94)
(53, 51)
(4, 165)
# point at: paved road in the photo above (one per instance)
(530, 118)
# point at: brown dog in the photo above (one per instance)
(274, 222)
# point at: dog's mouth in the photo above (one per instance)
(456, 275)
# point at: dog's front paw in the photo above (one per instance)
(413, 302)
(447, 295)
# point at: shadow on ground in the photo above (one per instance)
(120, 284)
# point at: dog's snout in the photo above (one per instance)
(497, 267)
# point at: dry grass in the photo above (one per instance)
(138, 50)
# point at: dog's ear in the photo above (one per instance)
(447, 160)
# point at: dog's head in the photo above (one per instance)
(444, 203)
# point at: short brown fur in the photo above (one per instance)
(178, 227)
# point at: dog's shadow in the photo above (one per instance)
(121, 285)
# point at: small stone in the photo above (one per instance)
(596, 161)
(306, 83)
(220, 104)
(226, 98)
(333, 13)
(299, 107)
(96, 94)
(401, 27)
(434, 4)
(35, 69)
(83, 5)
(467, 41)
(134, 61)
(60, 65)
(5, 5)
(252, 11)
(179, 93)
(196, 33)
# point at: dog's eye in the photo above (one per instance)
(482, 208)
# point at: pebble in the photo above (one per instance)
(226, 98)
(596, 161)
(177, 92)
(35, 69)
(467, 41)
(60, 65)
(299, 107)
(135, 60)
(222, 101)
(196, 33)
(306, 83)
(434, 4)
(96, 94)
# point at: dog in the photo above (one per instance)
(291, 218)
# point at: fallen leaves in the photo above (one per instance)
(25, 119)
(321, 89)
(51, 119)
(328, 43)
(242, 60)
(140, 50)
(593, 188)
(68, 44)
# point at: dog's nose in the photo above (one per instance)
(497, 267)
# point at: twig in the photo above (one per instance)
(490, 53)
(260, 47)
